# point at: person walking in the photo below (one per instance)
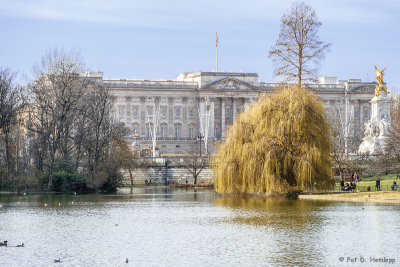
(342, 185)
(356, 176)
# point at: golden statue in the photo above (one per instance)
(379, 77)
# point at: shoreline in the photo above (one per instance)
(384, 197)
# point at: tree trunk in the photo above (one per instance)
(300, 67)
(130, 176)
(52, 160)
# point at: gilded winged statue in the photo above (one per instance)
(379, 77)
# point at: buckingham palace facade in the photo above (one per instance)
(207, 103)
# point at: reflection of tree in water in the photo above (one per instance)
(279, 213)
(284, 224)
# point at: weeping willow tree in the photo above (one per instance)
(280, 145)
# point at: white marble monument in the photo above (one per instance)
(377, 130)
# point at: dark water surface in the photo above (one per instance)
(160, 227)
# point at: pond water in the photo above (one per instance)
(162, 227)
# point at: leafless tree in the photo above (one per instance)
(298, 51)
(11, 108)
(393, 144)
(57, 91)
(194, 162)
(345, 139)
(97, 125)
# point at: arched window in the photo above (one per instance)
(177, 130)
(149, 129)
(163, 129)
(192, 131)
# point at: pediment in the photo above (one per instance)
(367, 88)
(230, 83)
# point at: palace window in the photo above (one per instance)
(191, 132)
(149, 131)
(177, 132)
(356, 115)
(135, 111)
(366, 113)
(177, 112)
(191, 112)
(164, 130)
(178, 128)
(149, 111)
(121, 110)
(164, 111)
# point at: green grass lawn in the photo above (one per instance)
(386, 183)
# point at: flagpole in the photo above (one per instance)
(216, 50)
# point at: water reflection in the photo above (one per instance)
(274, 212)
(164, 227)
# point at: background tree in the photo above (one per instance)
(57, 91)
(345, 135)
(194, 162)
(11, 111)
(393, 144)
(98, 128)
(298, 50)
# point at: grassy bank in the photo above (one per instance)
(392, 197)
(386, 183)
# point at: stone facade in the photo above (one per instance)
(184, 105)
(160, 174)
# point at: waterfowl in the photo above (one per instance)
(4, 244)
(126, 260)
(59, 260)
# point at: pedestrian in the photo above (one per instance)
(342, 185)
(356, 176)
(352, 177)
(187, 180)
(394, 185)
(378, 184)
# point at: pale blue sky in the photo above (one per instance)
(158, 39)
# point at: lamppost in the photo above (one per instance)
(199, 138)
(136, 145)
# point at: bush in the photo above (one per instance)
(112, 179)
(64, 181)
(64, 165)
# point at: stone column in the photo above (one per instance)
(128, 110)
(222, 117)
(246, 103)
(156, 109)
(361, 112)
(170, 117)
(211, 132)
(234, 109)
(142, 114)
